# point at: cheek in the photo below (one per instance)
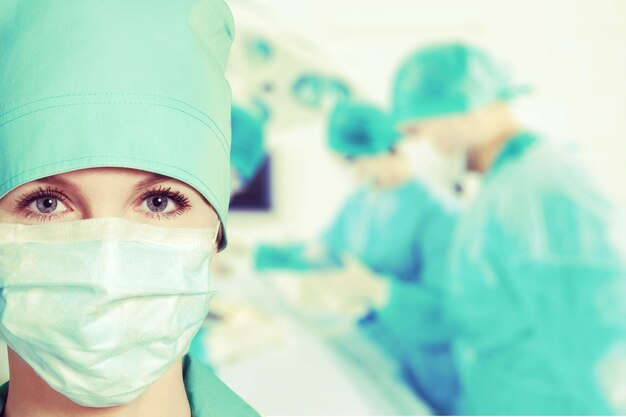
(201, 215)
(388, 163)
(5, 216)
(459, 141)
(440, 135)
(447, 146)
(366, 169)
(448, 143)
(8, 212)
(453, 139)
(205, 217)
(357, 167)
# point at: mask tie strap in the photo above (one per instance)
(217, 233)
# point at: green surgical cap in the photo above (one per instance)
(446, 79)
(135, 84)
(357, 129)
(248, 150)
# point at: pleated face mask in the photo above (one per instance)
(102, 308)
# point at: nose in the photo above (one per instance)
(102, 202)
(94, 211)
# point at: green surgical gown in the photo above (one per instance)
(404, 234)
(536, 283)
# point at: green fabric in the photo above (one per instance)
(139, 84)
(248, 149)
(443, 79)
(208, 396)
(402, 233)
(513, 149)
(292, 257)
(356, 129)
(536, 287)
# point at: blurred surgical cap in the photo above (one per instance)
(248, 148)
(356, 129)
(448, 78)
(135, 84)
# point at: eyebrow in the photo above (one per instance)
(150, 180)
(65, 183)
(58, 181)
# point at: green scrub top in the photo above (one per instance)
(208, 396)
(402, 233)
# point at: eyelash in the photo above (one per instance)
(176, 196)
(27, 199)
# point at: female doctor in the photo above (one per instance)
(114, 177)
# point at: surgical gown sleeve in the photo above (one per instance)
(335, 238)
(297, 256)
(414, 314)
(291, 256)
(413, 327)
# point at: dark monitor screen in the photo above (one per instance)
(257, 196)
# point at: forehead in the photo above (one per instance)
(101, 179)
(413, 127)
(126, 173)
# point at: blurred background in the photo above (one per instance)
(570, 53)
(291, 62)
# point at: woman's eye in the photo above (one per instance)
(163, 202)
(47, 205)
(159, 204)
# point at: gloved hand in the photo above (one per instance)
(351, 291)
(235, 332)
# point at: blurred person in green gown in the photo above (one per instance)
(537, 277)
(383, 259)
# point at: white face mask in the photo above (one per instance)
(432, 166)
(102, 308)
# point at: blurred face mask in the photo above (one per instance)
(102, 308)
(433, 166)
